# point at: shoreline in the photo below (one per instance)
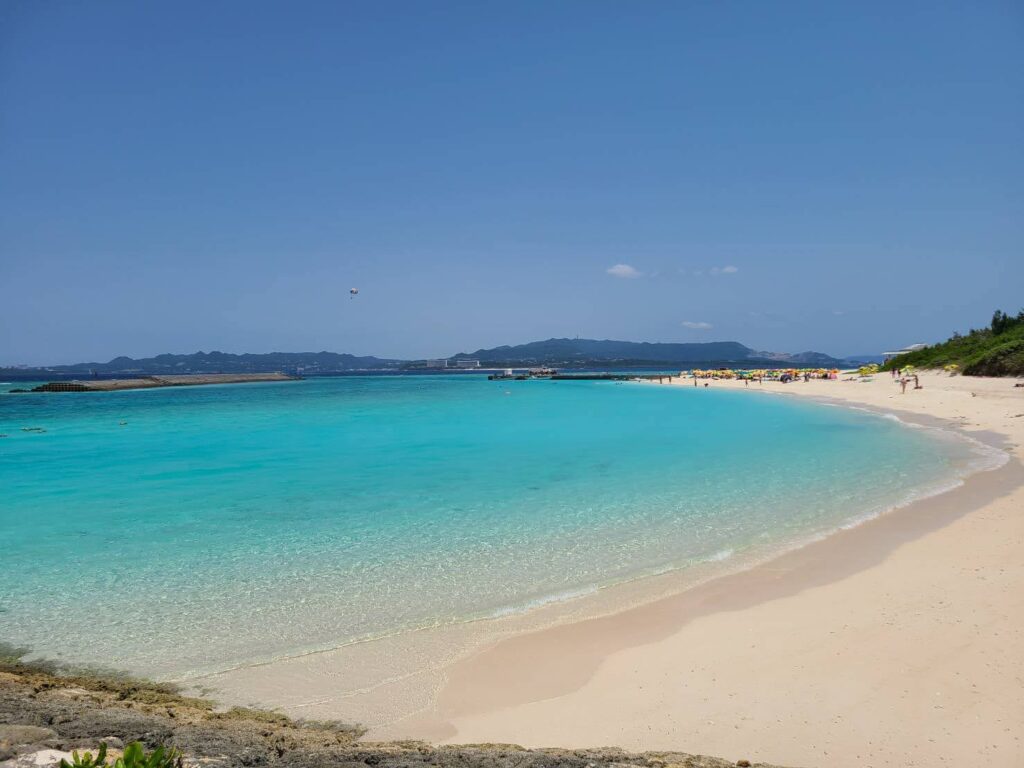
(639, 589)
(759, 662)
(452, 709)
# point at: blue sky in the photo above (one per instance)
(842, 177)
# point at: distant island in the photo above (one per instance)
(211, 362)
(560, 353)
(584, 353)
(994, 351)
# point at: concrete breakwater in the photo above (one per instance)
(149, 382)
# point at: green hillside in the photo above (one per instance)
(994, 351)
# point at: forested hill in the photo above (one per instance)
(577, 352)
(567, 353)
(994, 351)
(225, 362)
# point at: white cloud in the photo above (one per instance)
(697, 325)
(727, 270)
(624, 271)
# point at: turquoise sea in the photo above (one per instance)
(222, 525)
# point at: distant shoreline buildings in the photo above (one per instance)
(458, 363)
(912, 348)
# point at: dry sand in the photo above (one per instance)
(898, 642)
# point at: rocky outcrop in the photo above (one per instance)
(44, 716)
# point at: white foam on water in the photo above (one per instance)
(540, 602)
(719, 556)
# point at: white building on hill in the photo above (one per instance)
(911, 348)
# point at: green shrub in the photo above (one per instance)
(134, 757)
(992, 351)
(1004, 360)
(86, 760)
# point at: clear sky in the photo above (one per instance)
(176, 176)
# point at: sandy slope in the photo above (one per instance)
(896, 643)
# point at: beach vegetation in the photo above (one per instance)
(86, 759)
(134, 757)
(997, 350)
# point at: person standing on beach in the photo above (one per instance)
(903, 385)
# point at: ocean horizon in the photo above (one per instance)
(191, 530)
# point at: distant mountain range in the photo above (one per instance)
(557, 353)
(224, 362)
(576, 353)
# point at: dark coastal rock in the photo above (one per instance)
(94, 724)
(244, 748)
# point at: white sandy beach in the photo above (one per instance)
(898, 642)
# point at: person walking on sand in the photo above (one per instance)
(903, 385)
(917, 383)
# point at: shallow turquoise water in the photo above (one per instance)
(227, 524)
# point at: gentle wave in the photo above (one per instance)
(540, 602)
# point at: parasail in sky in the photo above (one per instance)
(353, 292)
